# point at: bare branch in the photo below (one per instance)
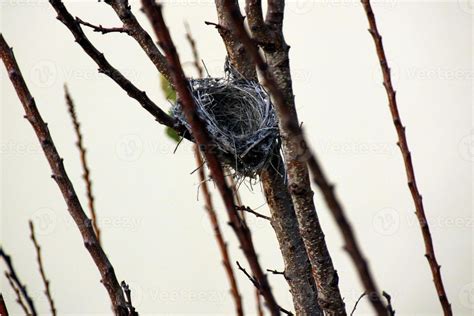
(101, 29)
(249, 210)
(128, 299)
(357, 303)
(39, 259)
(192, 43)
(410, 172)
(218, 234)
(257, 286)
(153, 12)
(60, 176)
(294, 146)
(106, 68)
(3, 307)
(82, 154)
(20, 289)
(390, 310)
(123, 10)
(276, 272)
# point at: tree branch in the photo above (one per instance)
(357, 303)
(123, 10)
(39, 259)
(410, 172)
(82, 154)
(101, 29)
(106, 68)
(249, 210)
(218, 235)
(279, 86)
(11, 275)
(3, 306)
(153, 12)
(60, 176)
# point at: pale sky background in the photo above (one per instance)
(154, 228)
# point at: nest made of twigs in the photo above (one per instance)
(239, 118)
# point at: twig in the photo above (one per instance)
(128, 299)
(249, 210)
(293, 147)
(101, 29)
(123, 10)
(153, 12)
(257, 286)
(82, 154)
(196, 59)
(218, 234)
(3, 307)
(357, 303)
(390, 310)
(11, 275)
(276, 272)
(106, 68)
(60, 176)
(19, 298)
(258, 301)
(410, 172)
(39, 259)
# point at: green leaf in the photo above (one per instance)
(168, 91)
(171, 133)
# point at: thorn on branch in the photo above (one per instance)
(128, 299)
(390, 310)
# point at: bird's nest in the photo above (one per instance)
(239, 118)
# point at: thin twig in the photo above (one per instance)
(39, 260)
(390, 310)
(128, 299)
(357, 303)
(3, 307)
(249, 210)
(218, 234)
(82, 154)
(64, 183)
(101, 29)
(106, 68)
(19, 298)
(258, 301)
(11, 273)
(153, 12)
(410, 172)
(257, 286)
(276, 272)
(294, 147)
(196, 59)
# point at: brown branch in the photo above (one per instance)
(60, 176)
(123, 10)
(279, 86)
(357, 303)
(128, 299)
(410, 172)
(3, 307)
(106, 68)
(20, 289)
(39, 259)
(153, 12)
(276, 272)
(390, 310)
(258, 301)
(196, 59)
(218, 234)
(82, 154)
(257, 286)
(101, 29)
(19, 298)
(249, 210)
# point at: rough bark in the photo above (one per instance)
(284, 222)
